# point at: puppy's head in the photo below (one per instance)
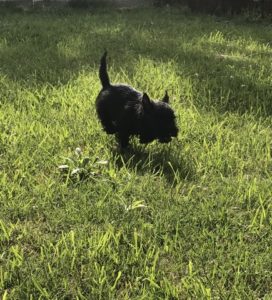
(159, 121)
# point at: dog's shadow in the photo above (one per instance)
(169, 162)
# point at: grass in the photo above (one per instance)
(188, 220)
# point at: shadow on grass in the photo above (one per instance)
(230, 84)
(54, 47)
(167, 161)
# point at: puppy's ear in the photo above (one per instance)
(165, 98)
(146, 102)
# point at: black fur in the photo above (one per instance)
(124, 111)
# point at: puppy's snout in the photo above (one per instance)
(174, 132)
(165, 140)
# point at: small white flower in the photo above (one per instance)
(78, 151)
(76, 171)
(63, 168)
(102, 162)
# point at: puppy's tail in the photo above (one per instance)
(103, 74)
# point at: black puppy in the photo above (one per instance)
(124, 111)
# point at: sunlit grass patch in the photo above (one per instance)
(79, 219)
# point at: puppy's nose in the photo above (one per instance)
(175, 132)
(165, 140)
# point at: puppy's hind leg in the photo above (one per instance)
(108, 127)
(123, 139)
(106, 122)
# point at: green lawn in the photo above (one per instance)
(187, 220)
